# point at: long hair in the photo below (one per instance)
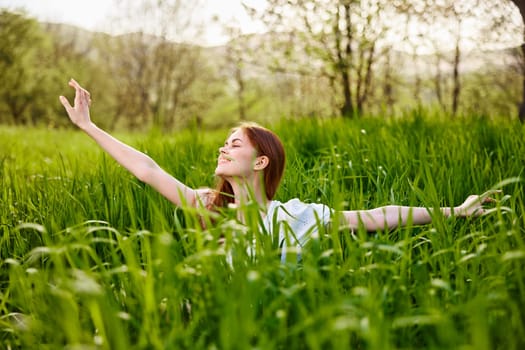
(266, 143)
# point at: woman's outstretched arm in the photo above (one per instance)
(393, 216)
(138, 163)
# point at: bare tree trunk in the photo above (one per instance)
(348, 109)
(417, 79)
(388, 86)
(366, 80)
(438, 81)
(521, 113)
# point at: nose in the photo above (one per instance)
(222, 150)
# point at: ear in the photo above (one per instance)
(261, 162)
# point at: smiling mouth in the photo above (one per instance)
(225, 159)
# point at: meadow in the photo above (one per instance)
(91, 258)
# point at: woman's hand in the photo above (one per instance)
(473, 205)
(79, 113)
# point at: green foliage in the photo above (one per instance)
(502, 100)
(90, 257)
(22, 48)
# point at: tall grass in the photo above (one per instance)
(92, 258)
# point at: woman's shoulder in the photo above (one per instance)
(295, 206)
(299, 214)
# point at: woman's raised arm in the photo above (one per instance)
(138, 163)
(393, 216)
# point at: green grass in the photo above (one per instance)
(92, 258)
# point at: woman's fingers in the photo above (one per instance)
(487, 197)
(73, 83)
(476, 202)
(65, 103)
(82, 96)
(81, 102)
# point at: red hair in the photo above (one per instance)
(266, 143)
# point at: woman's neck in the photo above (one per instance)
(245, 192)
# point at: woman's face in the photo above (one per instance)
(237, 157)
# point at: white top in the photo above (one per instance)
(296, 222)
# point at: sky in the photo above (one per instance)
(95, 14)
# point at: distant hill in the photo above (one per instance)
(82, 40)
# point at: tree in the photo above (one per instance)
(36, 59)
(441, 26)
(521, 6)
(22, 47)
(340, 38)
(154, 68)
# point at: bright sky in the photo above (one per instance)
(94, 14)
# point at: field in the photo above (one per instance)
(90, 258)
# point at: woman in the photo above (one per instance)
(249, 168)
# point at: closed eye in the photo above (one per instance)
(234, 143)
